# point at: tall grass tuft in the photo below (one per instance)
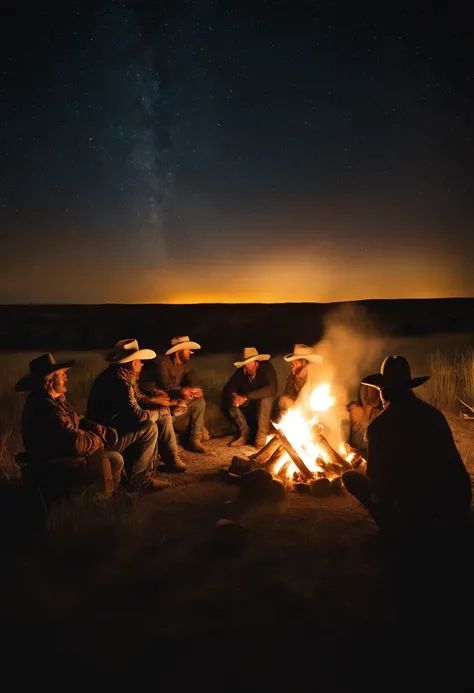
(451, 378)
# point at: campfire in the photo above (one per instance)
(298, 453)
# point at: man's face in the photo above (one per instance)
(185, 355)
(136, 367)
(297, 366)
(250, 368)
(59, 381)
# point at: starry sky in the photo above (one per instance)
(219, 151)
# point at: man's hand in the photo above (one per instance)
(161, 400)
(186, 393)
(196, 392)
(238, 400)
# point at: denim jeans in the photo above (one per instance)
(139, 448)
(256, 411)
(104, 471)
(195, 411)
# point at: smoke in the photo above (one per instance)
(351, 348)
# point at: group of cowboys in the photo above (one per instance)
(132, 412)
(414, 474)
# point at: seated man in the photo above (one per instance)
(171, 373)
(415, 478)
(113, 401)
(248, 397)
(53, 431)
(300, 360)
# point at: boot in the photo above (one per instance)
(175, 465)
(153, 484)
(260, 440)
(195, 445)
(241, 439)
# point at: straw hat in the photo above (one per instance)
(180, 343)
(40, 367)
(301, 351)
(127, 350)
(250, 354)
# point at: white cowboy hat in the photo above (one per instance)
(250, 354)
(127, 350)
(301, 351)
(395, 374)
(180, 343)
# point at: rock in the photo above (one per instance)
(320, 487)
(336, 486)
(241, 465)
(302, 487)
(275, 491)
(229, 534)
(255, 480)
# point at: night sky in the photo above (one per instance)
(224, 151)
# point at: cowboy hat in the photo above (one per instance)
(180, 343)
(250, 354)
(40, 367)
(395, 374)
(127, 350)
(301, 351)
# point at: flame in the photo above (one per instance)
(298, 428)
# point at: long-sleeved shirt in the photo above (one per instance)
(412, 458)
(294, 384)
(51, 428)
(171, 377)
(263, 384)
(113, 401)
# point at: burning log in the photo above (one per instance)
(336, 462)
(305, 472)
(263, 455)
(283, 471)
(274, 459)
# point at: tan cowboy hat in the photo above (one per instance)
(395, 374)
(180, 343)
(250, 354)
(301, 351)
(40, 367)
(127, 350)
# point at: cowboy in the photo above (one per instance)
(113, 401)
(415, 478)
(172, 374)
(300, 360)
(361, 414)
(53, 431)
(248, 397)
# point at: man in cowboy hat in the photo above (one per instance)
(415, 478)
(53, 431)
(300, 360)
(113, 401)
(248, 397)
(172, 374)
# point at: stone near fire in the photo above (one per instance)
(337, 487)
(301, 487)
(320, 487)
(241, 465)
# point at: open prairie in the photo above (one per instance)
(117, 594)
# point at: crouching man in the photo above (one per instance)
(415, 481)
(53, 432)
(113, 402)
(248, 398)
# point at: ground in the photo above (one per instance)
(311, 597)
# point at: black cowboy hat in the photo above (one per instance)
(395, 374)
(40, 367)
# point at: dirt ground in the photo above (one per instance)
(312, 598)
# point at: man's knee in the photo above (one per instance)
(198, 404)
(116, 462)
(149, 431)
